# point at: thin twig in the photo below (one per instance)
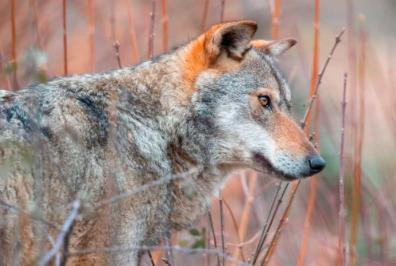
(164, 248)
(132, 32)
(260, 243)
(66, 230)
(91, 11)
(132, 192)
(308, 218)
(36, 19)
(66, 243)
(246, 213)
(248, 242)
(151, 258)
(169, 253)
(337, 41)
(16, 209)
(13, 30)
(240, 246)
(64, 36)
(222, 11)
(204, 16)
(151, 37)
(280, 200)
(342, 214)
(2, 63)
(57, 257)
(357, 168)
(265, 187)
(207, 259)
(315, 62)
(275, 20)
(113, 24)
(166, 261)
(222, 224)
(14, 52)
(312, 192)
(117, 47)
(280, 225)
(164, 26)
(352, 70)
(214, 236)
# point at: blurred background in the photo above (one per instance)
(32, 50)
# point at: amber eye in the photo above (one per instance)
(265, 102)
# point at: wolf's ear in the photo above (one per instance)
(274, 48)
(232, 37)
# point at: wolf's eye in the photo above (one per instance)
(265, 102)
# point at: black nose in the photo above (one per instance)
(317, 164)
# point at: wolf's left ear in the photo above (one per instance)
(274, 48)
(233, 38)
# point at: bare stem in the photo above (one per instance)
(166, 261)
(151, 258)
(132, 192)
(117, 47)
(342, 214)
(312, 192)
(222, 224)
(315, 62)
(275, 20)
(14, 52)
(2, 63)
(36, 19)
(207, 259)
(64, 37)
(240, 246)
(222, 11)
(266, 221)
(163, 248)
(91, 12)
(151, 37)
(357, 168)
(63, 236)
(214, 236)
(169, 253)
(337, 41)
(132, 32)
(280, 200)
(164, 26)
(245, 214)
(17, 209)
(204, 16)
(280, 225)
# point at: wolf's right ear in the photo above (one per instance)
(233, 38)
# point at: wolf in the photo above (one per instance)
(218, 104)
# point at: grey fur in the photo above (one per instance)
(96, 135)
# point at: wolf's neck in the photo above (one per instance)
(188, 142)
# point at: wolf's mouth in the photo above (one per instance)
(271, 170)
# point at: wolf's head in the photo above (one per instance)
(243, 103)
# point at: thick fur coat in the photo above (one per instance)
(218, 105)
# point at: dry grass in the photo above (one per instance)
(132, 32)
(312, 193)
(311, 229)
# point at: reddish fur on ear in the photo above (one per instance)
(274, 48)
(232, 38)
